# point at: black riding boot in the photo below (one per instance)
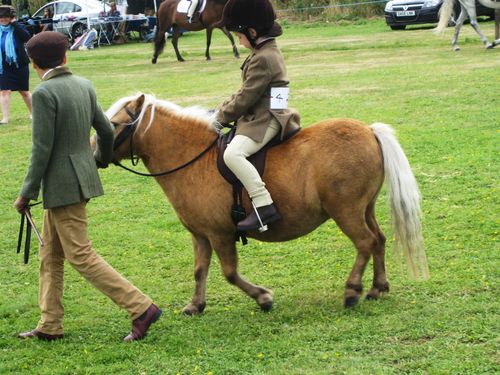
(268, 214)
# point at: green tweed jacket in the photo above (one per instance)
(62, 163)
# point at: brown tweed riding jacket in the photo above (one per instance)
(250, 106)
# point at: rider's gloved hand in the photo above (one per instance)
(217, 125)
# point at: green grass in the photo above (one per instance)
(445, 109)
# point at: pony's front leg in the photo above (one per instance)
(202, 257)
(175, 41)
(226, 251)
(458, 26)
(159, 43)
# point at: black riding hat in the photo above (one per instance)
(239, 15)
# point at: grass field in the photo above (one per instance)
(446, 110)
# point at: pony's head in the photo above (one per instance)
(125, 116)
(134, 116)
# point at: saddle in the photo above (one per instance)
(259, 162)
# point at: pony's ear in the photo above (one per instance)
(140, 101)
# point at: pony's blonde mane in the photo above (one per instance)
(193, 113)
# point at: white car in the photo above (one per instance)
(73, 17)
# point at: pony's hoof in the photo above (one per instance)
(265, 301)
(192, 309)
(490, 46)
(153, 60)
(351, 301)
(377, 290)
(456, 49)
(266, 306)
(373, 294)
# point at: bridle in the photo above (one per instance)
(128, 132)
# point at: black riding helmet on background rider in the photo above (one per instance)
(240, 15)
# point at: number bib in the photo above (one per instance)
(279, 97)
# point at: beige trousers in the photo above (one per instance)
(235, 157)
(65, 237)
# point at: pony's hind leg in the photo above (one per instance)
(380, 283)
(209, 41)
(226, 251)
(353, 223)
(475, 26)
(231, 39)
(202, 257)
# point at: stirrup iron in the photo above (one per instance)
(263, 227)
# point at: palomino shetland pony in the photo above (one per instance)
(333, 169)
(467, 9)
(167, 17)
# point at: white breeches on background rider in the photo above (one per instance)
(192, 7)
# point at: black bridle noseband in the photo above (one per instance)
(128, 132)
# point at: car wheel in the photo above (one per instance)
(78, 29)
(398, 27)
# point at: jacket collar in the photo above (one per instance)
(57, 71)
(264, 42)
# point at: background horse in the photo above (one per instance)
(167, 17)
(333, 169)
(467, 9)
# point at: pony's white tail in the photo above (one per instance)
(444, 15)
(404, 197)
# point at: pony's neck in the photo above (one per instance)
(173, 138)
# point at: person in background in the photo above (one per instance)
(14, 64)
(65, 108)
(112, 12)
(259, 118)
(47, 19)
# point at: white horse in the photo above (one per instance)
(467, 8)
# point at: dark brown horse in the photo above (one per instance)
(168, 17)
(331, 170)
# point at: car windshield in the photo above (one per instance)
(40, 12)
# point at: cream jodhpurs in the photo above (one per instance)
(235, 157)
(65, 236)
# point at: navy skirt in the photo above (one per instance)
(15, 79)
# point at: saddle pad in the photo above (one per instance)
(183, 6)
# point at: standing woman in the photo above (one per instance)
(14, 62)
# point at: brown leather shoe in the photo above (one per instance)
(141, 325)
(40, 335)
(268, 214)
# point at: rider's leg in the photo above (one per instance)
(235, 156)
(191, 9)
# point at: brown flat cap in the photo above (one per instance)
(7, 11)
(47, 48)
